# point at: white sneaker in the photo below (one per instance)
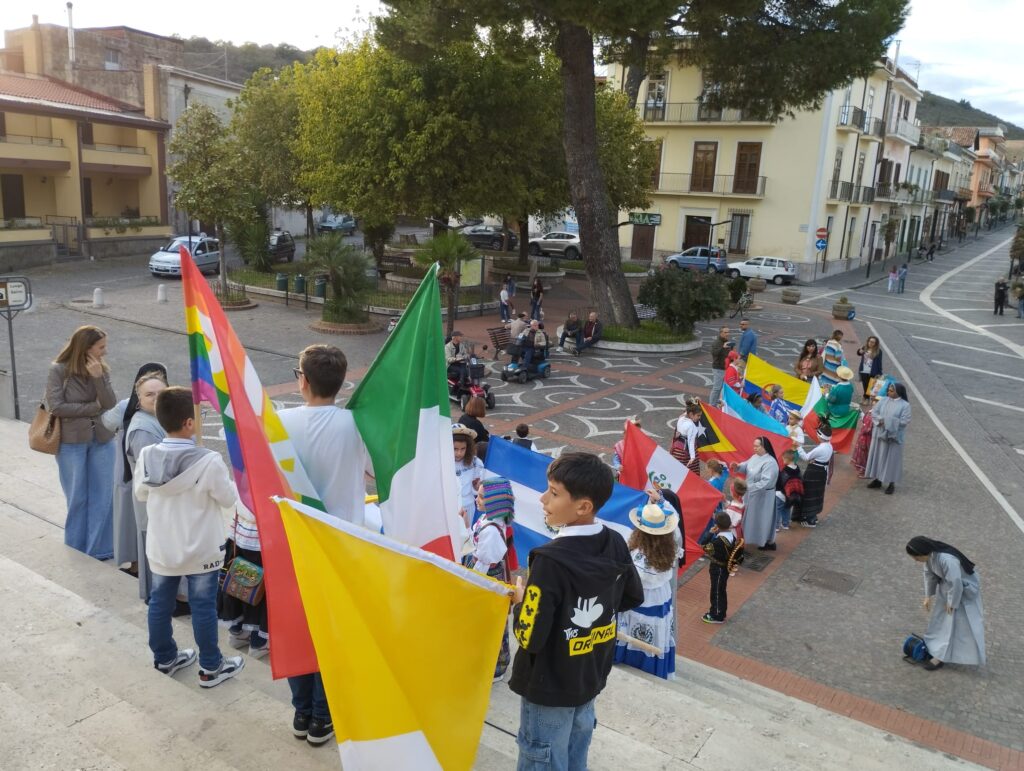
(229, 667)
(184, 658)
(560, 349)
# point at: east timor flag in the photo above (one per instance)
(727, 438)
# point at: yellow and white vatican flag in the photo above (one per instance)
(407, 642)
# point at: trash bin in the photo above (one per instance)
(300, 284)
(282, 282)
(320, 287)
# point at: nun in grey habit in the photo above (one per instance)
(956, 629)
(762, 471)
(891, 416)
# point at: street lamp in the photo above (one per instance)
(186, 90)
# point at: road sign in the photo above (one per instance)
(644, 218)
(821, 232)
(15, 294)
(820, 244)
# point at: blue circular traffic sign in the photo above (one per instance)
(820, 244)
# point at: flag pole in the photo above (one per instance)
(199, 423)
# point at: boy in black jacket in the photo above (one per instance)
(565, 616)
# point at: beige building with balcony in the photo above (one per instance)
(80, 173)
(756, 187)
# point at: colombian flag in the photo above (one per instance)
(730, 439)
(407, 642)
(759, 376)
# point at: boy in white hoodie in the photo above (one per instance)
(185, 487)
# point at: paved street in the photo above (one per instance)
(940, 333)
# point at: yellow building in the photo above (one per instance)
(80, 173)
(755, 187)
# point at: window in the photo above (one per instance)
(112, 60)
(849, 236)
(860, 169)
(748, 164)
(656, 172)
(739, 233)
(705, 157)
(837, 167)
(3, 125)
(87, 197)
(654, 108)
(86, 133)
(869, 105)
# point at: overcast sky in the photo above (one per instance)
(961, 50)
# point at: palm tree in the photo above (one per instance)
(449, 250)
(345, 267)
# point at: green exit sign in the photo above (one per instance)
(644, 218)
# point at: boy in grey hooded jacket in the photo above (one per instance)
(185, 488)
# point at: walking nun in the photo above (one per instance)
(890, 416)
(956, 629)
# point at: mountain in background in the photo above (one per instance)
(935, 110)
(238, 62)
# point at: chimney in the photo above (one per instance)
(71, 40)
(32, 49)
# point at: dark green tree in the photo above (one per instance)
(736, 43)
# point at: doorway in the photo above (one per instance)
(12, 193)
(697, 231)
(643, 243)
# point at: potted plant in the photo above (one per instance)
(757, 285)
(790, 295)
(842, 308)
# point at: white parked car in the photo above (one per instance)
(557, 243)
(205, 252)
(769, 268)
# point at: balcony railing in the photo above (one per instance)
(694, 112)
(873, 127)
(932, 144)
(945, 195)
(717, 184)
(985, 189)
(838, 190)
(22, 223)
(20, 139)
(116, 149)
(905, 130)
(864, 194)
(885, 191)
(851, 117)
(963, 193)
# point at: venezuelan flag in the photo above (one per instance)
(760, 376)
(407, 643)
(263, 460)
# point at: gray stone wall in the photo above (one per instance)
(19, 256)
(100, 248)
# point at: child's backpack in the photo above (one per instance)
(794, 487)
(915, 649)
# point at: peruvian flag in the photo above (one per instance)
(645, 464)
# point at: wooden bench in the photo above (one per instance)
(501, 339)
(393, 261)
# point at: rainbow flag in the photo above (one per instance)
(407, 643)
(263, 461)
(760, 376)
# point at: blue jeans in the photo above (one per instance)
(309, 697)
(87, 477)
(503, 308)
(717, 380)
(781, 513)
(899, 289)
(535, 309)
(556, 738)
(202, 596)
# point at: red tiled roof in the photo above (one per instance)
(58, 92)
(962, 135)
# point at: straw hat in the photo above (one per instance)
(460, 430)
(653, 519)
(844, 373)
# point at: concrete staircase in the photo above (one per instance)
(78, 690)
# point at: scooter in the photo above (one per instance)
(461, 392)
(520, 372)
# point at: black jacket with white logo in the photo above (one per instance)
(565, 624)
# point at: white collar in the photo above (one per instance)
(173, 440)
(592, 529)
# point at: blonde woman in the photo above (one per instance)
(78, 391)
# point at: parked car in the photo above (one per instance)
(205, 252)
(282, 246)
(769, 268)
(337, 223)
(558, 243)
(698, 257)
(490, 237)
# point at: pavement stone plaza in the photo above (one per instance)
(837, 649)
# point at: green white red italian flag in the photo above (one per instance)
(402, 412)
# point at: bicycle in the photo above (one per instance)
(743, 304)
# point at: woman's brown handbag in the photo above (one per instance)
(44, 433)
